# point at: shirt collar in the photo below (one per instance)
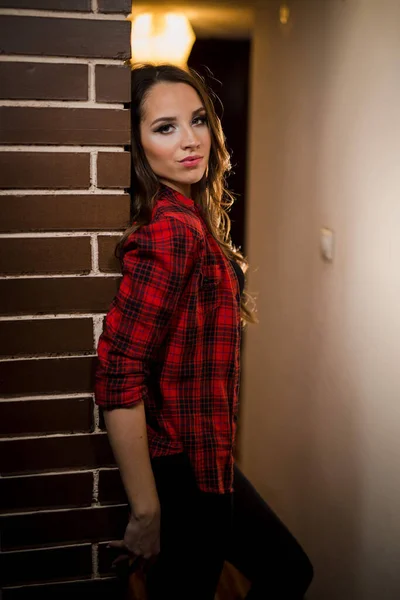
(171, 194)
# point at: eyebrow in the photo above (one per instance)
(195, 112)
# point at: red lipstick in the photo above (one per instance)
(191, 161)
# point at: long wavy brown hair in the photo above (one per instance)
(210, 193)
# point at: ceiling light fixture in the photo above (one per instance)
(161, 38)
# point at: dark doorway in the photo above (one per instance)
(228, 60)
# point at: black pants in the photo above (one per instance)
(199, 531)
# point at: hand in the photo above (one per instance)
(142, 537)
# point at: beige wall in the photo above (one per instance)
(321, 383)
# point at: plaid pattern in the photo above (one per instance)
(172, 340)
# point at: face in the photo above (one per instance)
(175, 135)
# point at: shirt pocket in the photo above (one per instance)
(209, 293)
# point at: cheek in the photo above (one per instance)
(158, 149)
(206, 140)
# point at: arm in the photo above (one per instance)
(127, 433)
(157, 264)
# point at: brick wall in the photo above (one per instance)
(64, 177)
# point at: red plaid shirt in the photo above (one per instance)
(172, 340)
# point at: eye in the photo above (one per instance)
(201, 120)
(164, 129)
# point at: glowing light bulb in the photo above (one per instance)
(161, 37)
(284, 14)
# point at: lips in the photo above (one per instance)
(191, 161)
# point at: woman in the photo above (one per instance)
(168, 371)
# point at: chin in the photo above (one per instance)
(184, 179)
(193, 178)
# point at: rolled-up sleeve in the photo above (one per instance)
(157, 264)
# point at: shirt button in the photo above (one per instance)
(235, 418)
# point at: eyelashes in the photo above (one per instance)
(203, 119)
(163, 129)
(197, 121)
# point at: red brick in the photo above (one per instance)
(113, 169)
(44, 336)
(51, 453)
(47, 376)
(46, 564)
(44, 170)
(45, 255)
(115, 6)
(81, 38)
(113, 83)
(111, 489)
(64, 212)
(29, 417)
(63, 490)
(57, 295)
(58, 527)
(81, 126)
(43, 81)
(100, 589)
(108, 262)
(65, 5)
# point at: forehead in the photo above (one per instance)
(170, 99)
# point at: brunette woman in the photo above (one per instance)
(168, 371)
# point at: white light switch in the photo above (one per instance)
(327, 243)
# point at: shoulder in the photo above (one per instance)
(168, 231)
(180, 219)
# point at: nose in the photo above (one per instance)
(189, 139)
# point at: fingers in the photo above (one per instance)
(119, 559)
(117, 544)
(127, 552)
